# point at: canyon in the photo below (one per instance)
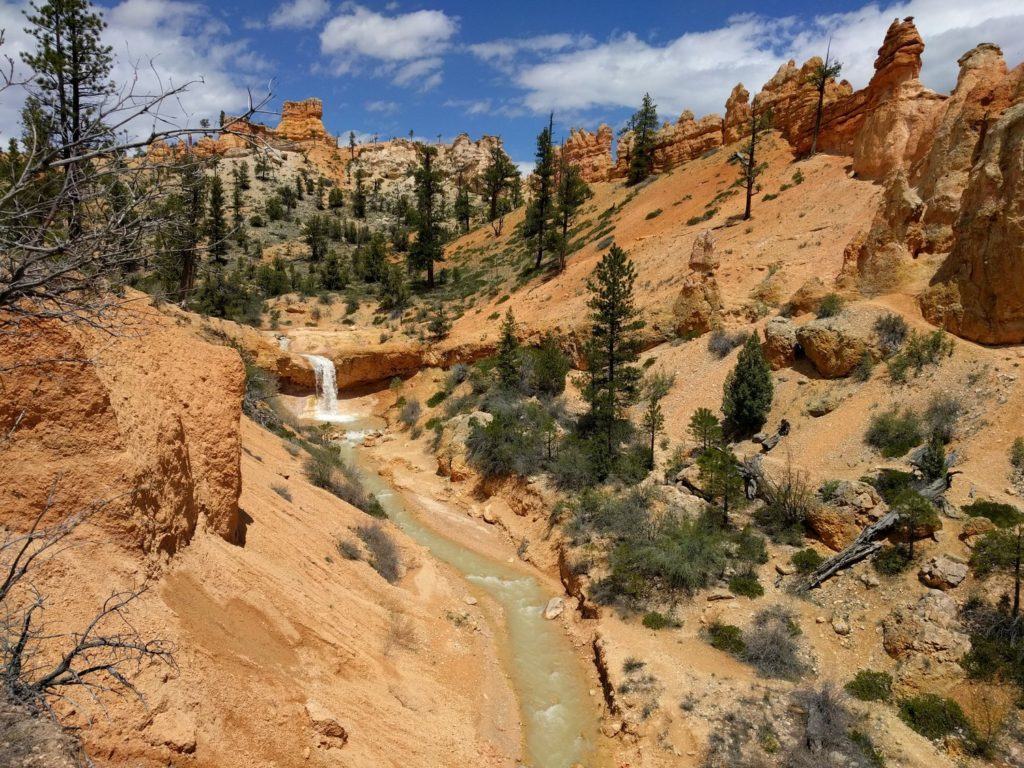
(491, 643)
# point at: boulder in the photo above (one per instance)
(851, 506)
(833, 345)
(702, 253)
(974, 527)
(943, 572)
(330, 733)
(779, 345)
(451, 447)
(926, 635)
(554, 608)
(809, 295)
(698, 306)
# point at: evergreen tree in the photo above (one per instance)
(335, 198)
(216, 225)
(462, 209)
(508, 367)
(71, 78)
(177, 242)
(243, 176)
(497, 182)
(705, 429)
(644, 126)
(359, 195)
(394, 289)
(315, 234)
(655, 389)
(550, 366)
(611, 353)
(538, 213)
(720, 477)
(1002, 550)
(262, 166)
(334, 273)
(300, 188)
(747, 395)
(374, 259)
(429, 244)
(439, 325)
(750, 169)
(819, 78)
(914, 513)
(572, 192)
(321, 185)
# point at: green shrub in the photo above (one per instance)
(890, 483)
(655, 620)
(865, 367)
(726, 637)
(437, 398)
(384, 555)
(549, 368)
(942, 414)
(919, 351)
(1003, 515)
(934, 717)
(891, 561)
(891, 331)
(893, 433)
(653, 214)
(863, 742)
(868, 685)
(512, 443)
(319, 469)
(746, 585)
(830, 306)
(574, 468)
(807, 561)
(1017, 453)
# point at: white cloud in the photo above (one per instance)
(382, 107)
(698, 69)
(407, 46)
(159, 44)
(299, 14)
(525, 166)
(470, 106)
(505, 52)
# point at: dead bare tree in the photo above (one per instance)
(78, 211)
(40, 666)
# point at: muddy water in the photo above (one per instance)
(559, 716)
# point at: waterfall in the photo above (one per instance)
(326, 390)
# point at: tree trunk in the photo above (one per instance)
(751, 163)
(1016, 573)
(817, 117)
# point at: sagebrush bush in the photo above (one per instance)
(869, 685)
(410, 412)
(384, 554)
(512, 443)
(830, 305)
(771, 646)
(894, 432)
(790, 498)
(891, 331)
(722, 342)
(746, 585)
(942, 414)
(920, 350)
(656, 620)
(349, 550)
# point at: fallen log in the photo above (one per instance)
(864, 546)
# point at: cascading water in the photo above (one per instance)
(326, 390)
(559, 718)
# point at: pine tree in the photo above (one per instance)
(497, 182)
(71, 78)
(429, 244)
(819, 78)
(462, 207)
(720, 477)
(747, 395)
(655, 388)
(538, 213)
(335, 198)
(611, 353)
(216, 225)
(750, 169)
(394, 289)
(243, 176)
(1002, 550)
(508, 367)
(315, 234)
(177, 242)
(705, 429)
(359, 195)
(914, 513)
(572, 192)
(644, 126)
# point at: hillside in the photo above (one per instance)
(369, 521)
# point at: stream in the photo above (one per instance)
(558, 714)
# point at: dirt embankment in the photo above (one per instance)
(287, 652)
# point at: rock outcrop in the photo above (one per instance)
(926, 637)
(590, 152)
(302, 122)
(833, 344)
(851, 506)
(141, 427)
(979, 292)
(699, 304)
(737, 115)
(780, 343)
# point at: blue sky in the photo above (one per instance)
(445, 66)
